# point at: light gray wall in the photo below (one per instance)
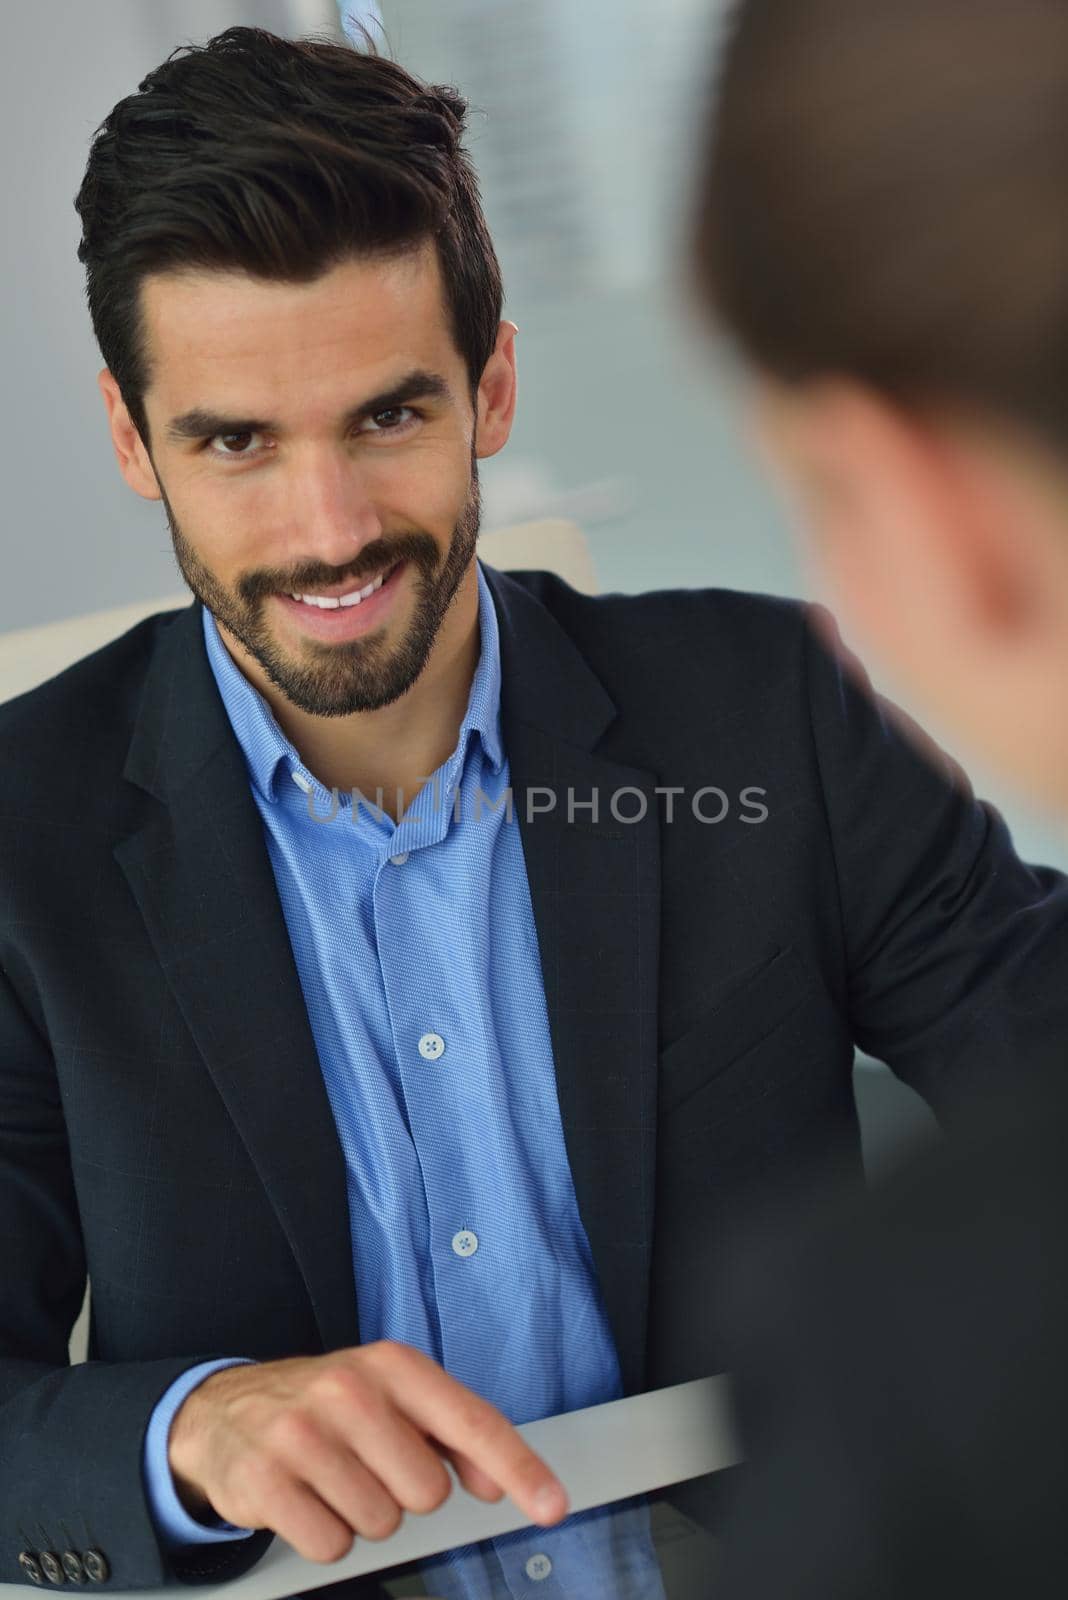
(75, 538)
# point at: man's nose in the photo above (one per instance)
(333, 512)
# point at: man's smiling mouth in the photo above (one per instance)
(331, 599)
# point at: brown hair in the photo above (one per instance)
(280, 158)
(885, 196)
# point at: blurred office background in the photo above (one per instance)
(582, 127)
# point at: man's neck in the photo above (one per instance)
(396, 749)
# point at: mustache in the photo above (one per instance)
(418, 548)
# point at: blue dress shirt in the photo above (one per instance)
(417, 953)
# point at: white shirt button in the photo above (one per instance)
(399, 860)
(538, 1567)
(431, 1046)
(300, 780)
(465, 1243)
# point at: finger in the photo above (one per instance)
(474, 1480)
(463, 1421)
(298, 1516)
(365, 1420)
(342, 1481)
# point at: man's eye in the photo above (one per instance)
(389, 421)
(229, 439)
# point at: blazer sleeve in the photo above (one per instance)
(957, 951)
(71, 1438)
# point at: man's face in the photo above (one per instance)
(314, 439)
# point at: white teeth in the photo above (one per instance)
(352, 599)
(322, 601)
(363, 594)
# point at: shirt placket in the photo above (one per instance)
(431, 1043)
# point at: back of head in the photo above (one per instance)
(278, 158)
(885, 195)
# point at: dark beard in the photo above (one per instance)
(356, 674)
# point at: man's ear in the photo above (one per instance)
(130, 452)
(896, 522)
(497, 393)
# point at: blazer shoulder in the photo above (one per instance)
(702, 628)
(88, 707)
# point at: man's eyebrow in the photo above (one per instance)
(201, 424)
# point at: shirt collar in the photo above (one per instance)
(484, 702)
(266, 747)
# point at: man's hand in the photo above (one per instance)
(319, 1448)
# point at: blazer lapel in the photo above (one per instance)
(201, 875)
(595, 888)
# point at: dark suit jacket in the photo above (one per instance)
(163, 1119)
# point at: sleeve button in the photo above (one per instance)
(96, 1566)
(31, 1567)
(50, 1567)
(73, 1566)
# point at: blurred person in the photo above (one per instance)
(410, 972)
(882, 229)
(894, 262)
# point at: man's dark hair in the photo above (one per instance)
(281, 158)
(884, 195)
